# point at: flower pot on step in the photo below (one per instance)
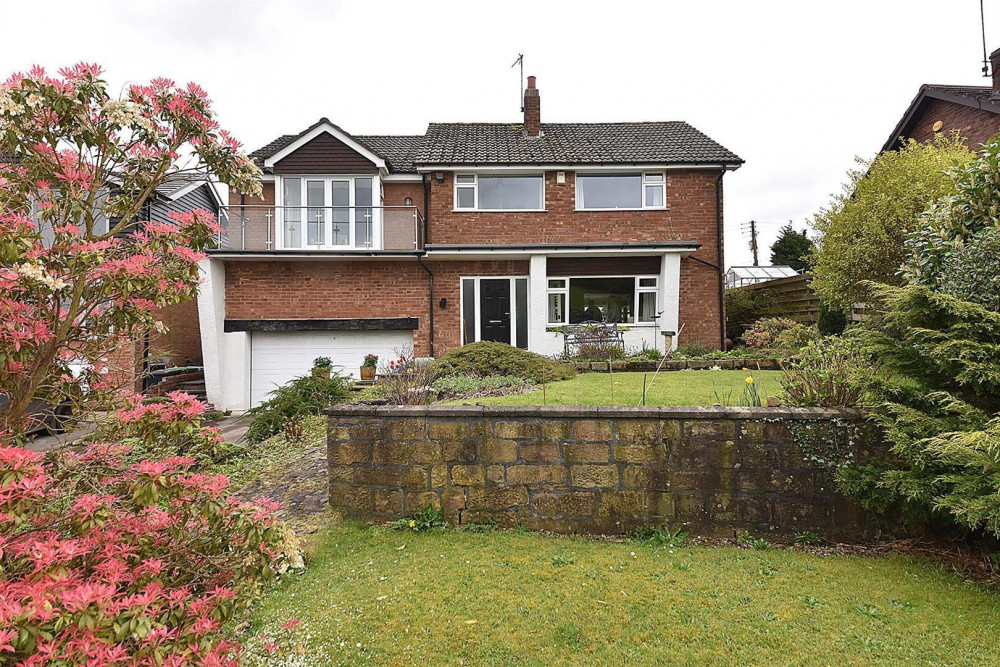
(367, 372)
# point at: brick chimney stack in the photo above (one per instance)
(995, 70)
(533, 109)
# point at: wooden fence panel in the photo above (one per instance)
(794, 296)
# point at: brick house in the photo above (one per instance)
(972, 110)
(472, 231)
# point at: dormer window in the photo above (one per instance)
(621, 191)
(499, 192)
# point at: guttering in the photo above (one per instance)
(313, 254)
(430, 298)
(569, 166)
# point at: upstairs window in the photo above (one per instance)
(507, 192)
(604, 192)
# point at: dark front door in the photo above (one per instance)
(494, 310)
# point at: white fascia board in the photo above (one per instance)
(315, 132)
(475, 168)
(307, 256)
(389, 178)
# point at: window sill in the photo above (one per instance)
(499, 210)
(620, 210)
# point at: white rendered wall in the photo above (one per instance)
(226, 354)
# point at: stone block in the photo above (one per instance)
(504, 520)
(571, 503)
(340, 474)
(670, 429)
(452, 501)
(349, 452)
(406, 429)
(480, 428)
(497, 450)
(630, 505)
(557, 429)
(598, 430)
(495, 474)
(594, 476)
(710, 428)
(794, 516)
(718, 481)
(447, 429)
(637, 431)
(421, 499)
(459, 451)
(404, 478)
(368, 431)
(540, 452)
(548, 524)
(759, 455)
(497, 498)
(468, 475)
(336, 432)
(659, 507)
(439, 475)
(536, 474)
(388, 501)
(646, 478)
(524, 430)
(356, 500)
(574, 452)
(690, 508)
(391, 453)
(652, 452)
(426, 452)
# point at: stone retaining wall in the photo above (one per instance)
(602, 470)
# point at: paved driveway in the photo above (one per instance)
(233, 428)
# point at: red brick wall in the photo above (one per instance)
(976, 125)
(332, 289)
(182, 342)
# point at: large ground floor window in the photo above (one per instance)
(608, 299)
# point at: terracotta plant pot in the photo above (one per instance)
(367, 372)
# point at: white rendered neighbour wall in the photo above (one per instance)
(226, 354)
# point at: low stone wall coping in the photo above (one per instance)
(593, 411)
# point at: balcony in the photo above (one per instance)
(344, 229)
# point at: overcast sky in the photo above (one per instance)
(795, 88)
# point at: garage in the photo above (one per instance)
(276, 358)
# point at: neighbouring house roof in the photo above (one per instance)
(571, 143)
(976, 97)
(670, 142)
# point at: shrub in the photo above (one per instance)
(302, 396)
(972, 271)
(832, 321)
(830, 373)
(778, 332)
(489, 358)
(597, 342)
(746, 306)
(405, 381)
(647, 354)
(428, 518)
(473, 386)
(110, 562)
(662, 536)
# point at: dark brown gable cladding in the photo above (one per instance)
(325, 155)
(603, 266)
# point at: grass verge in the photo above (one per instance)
(375, 596)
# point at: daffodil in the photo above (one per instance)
(412, 523)
(749, 380)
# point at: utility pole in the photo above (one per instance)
(753, 241)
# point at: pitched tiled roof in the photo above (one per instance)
(560, 143)
(977, 97)
(397, 150)
(571, 143)
(978, 94)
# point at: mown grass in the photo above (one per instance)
(666, 388)
(375, 596)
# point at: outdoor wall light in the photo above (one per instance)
(408, 201)
(561, 177)
(439, 176)
(443, 303)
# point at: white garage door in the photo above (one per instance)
(277, 358)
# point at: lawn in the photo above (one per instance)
(666, 388)
(375, 596)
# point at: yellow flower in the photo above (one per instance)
(412, 523)
(749, 380)
(745, 368)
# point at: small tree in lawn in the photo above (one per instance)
(792, 249)
(76, 166)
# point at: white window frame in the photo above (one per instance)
(643, 183)
(328, 180)
(478, 314)
(654, 289)
(474, 185)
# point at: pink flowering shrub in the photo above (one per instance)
(78, 278)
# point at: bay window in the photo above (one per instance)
(500, 192)
(607, 299)
(611, 191)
